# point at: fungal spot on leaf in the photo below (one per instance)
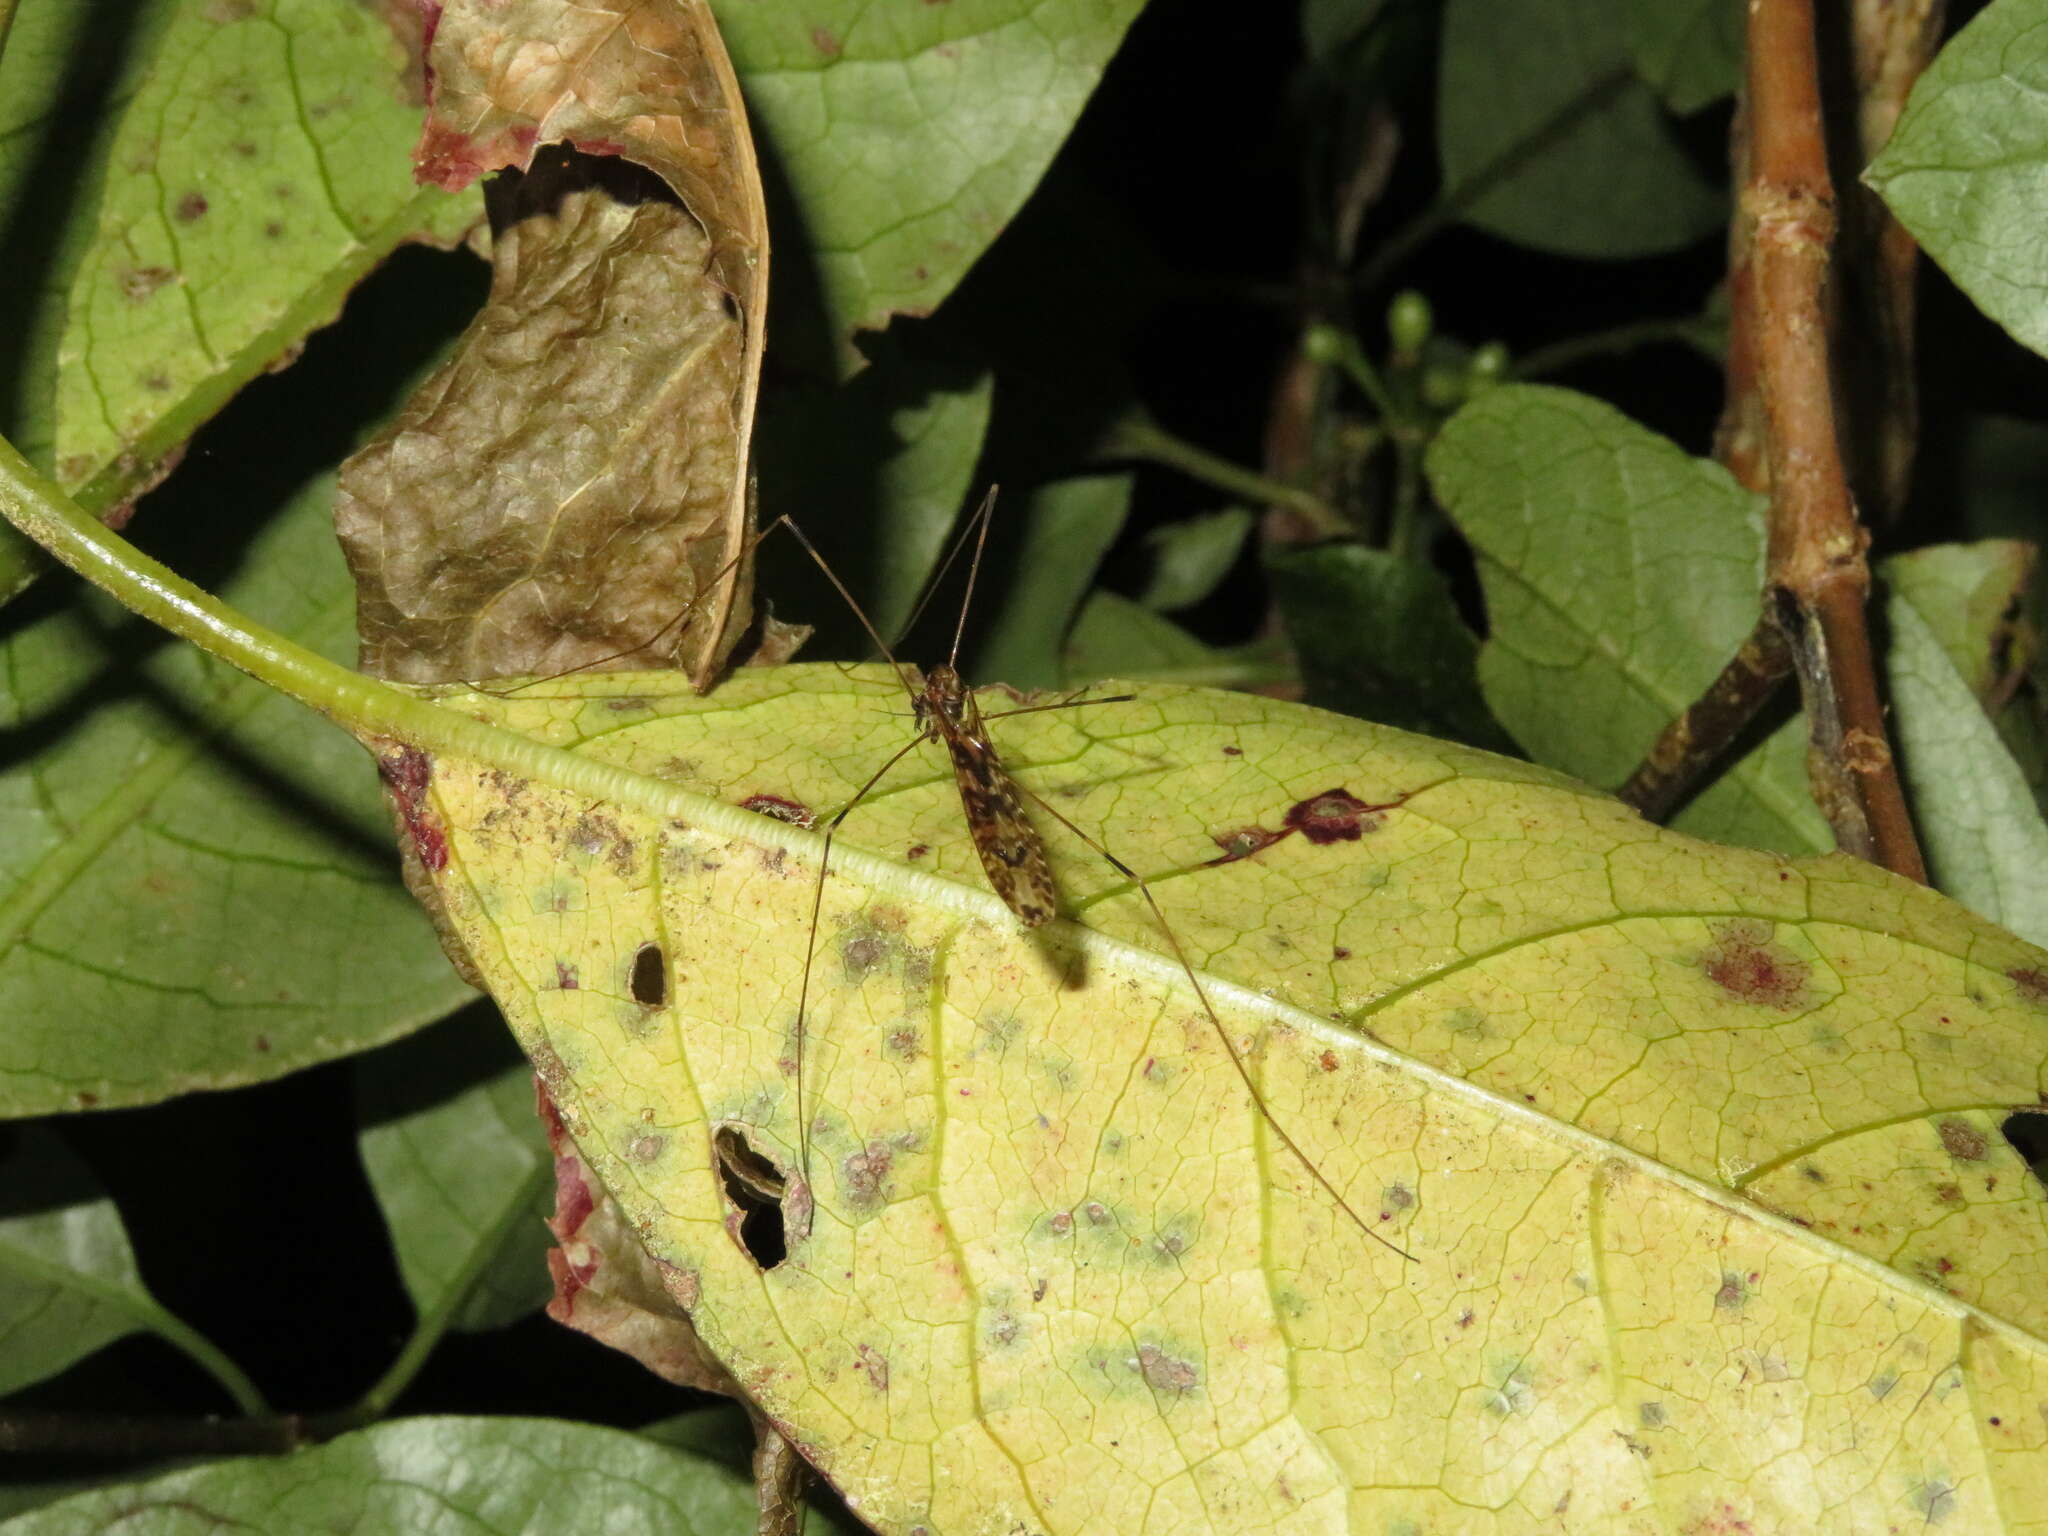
(2032, 984)
(865, 948)
(874, 1365)
(138, 283)
(645, 1149)
(1963, 1141)
(865, 1174)
(1651, 1415)
(649, 984)
(1163, 1373)
(1397, 1197)
(795, 812)
(1334, 816)
(754, 1188)
(191, 206)
(1733, 1294)
(1242, 843)
(1745, 963)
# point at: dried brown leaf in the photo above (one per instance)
(575, 478)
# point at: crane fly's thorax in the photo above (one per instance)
(945, 707)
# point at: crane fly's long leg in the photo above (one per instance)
(803, 994)
(1069, 702)
(1230, 1046)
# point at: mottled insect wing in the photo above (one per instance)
(1012, 855)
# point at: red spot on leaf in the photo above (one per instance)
(573, 1199)
(1334, 816)
(874, 1365)
(1328, 1061)
(407, 773)
(566, 979)
(1745, 963)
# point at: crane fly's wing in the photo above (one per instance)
(1011, 853)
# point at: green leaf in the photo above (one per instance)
(1689, 51)
(430, 1474)
(66, 76)
(1620, 576)
(68, 1281)
(1067, 529)
(874, 471)
(1985, 840)
(1328, 26)
(196, 890)
(1548, 140)
(1117, 638)
(67, 73)
(1965, 166)
(461, 1169)
(1969, 596)
(1191, 559)
(261, 170)
(910, 137)
(1380, 638)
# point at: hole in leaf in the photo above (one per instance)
(754, 1185)
(2028, 1133)
(650, 977)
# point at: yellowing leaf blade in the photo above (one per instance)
(1059, 1271)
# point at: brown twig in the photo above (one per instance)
(1889, 43)
(1817, 579)
(1697, 739)
(1779, 433)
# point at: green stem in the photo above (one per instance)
(1561, 355)
(1452, 202)
(1136, 437)
(36, 505)
(203, 1352)
(436, 1320)
(1404, 529)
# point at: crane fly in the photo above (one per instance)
(944, 709)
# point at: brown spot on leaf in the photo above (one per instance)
(1327, 1061)
(1745, 963)
(1242, 843)
(1964, 1142)
(874, 1365)
(795, 812)
(826, 42)
(1162, 1372)
(190, 207)
(2032, 984)
(866, 1174)
(85, 1099)
(138, 283)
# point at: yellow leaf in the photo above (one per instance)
(1697, 1150)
